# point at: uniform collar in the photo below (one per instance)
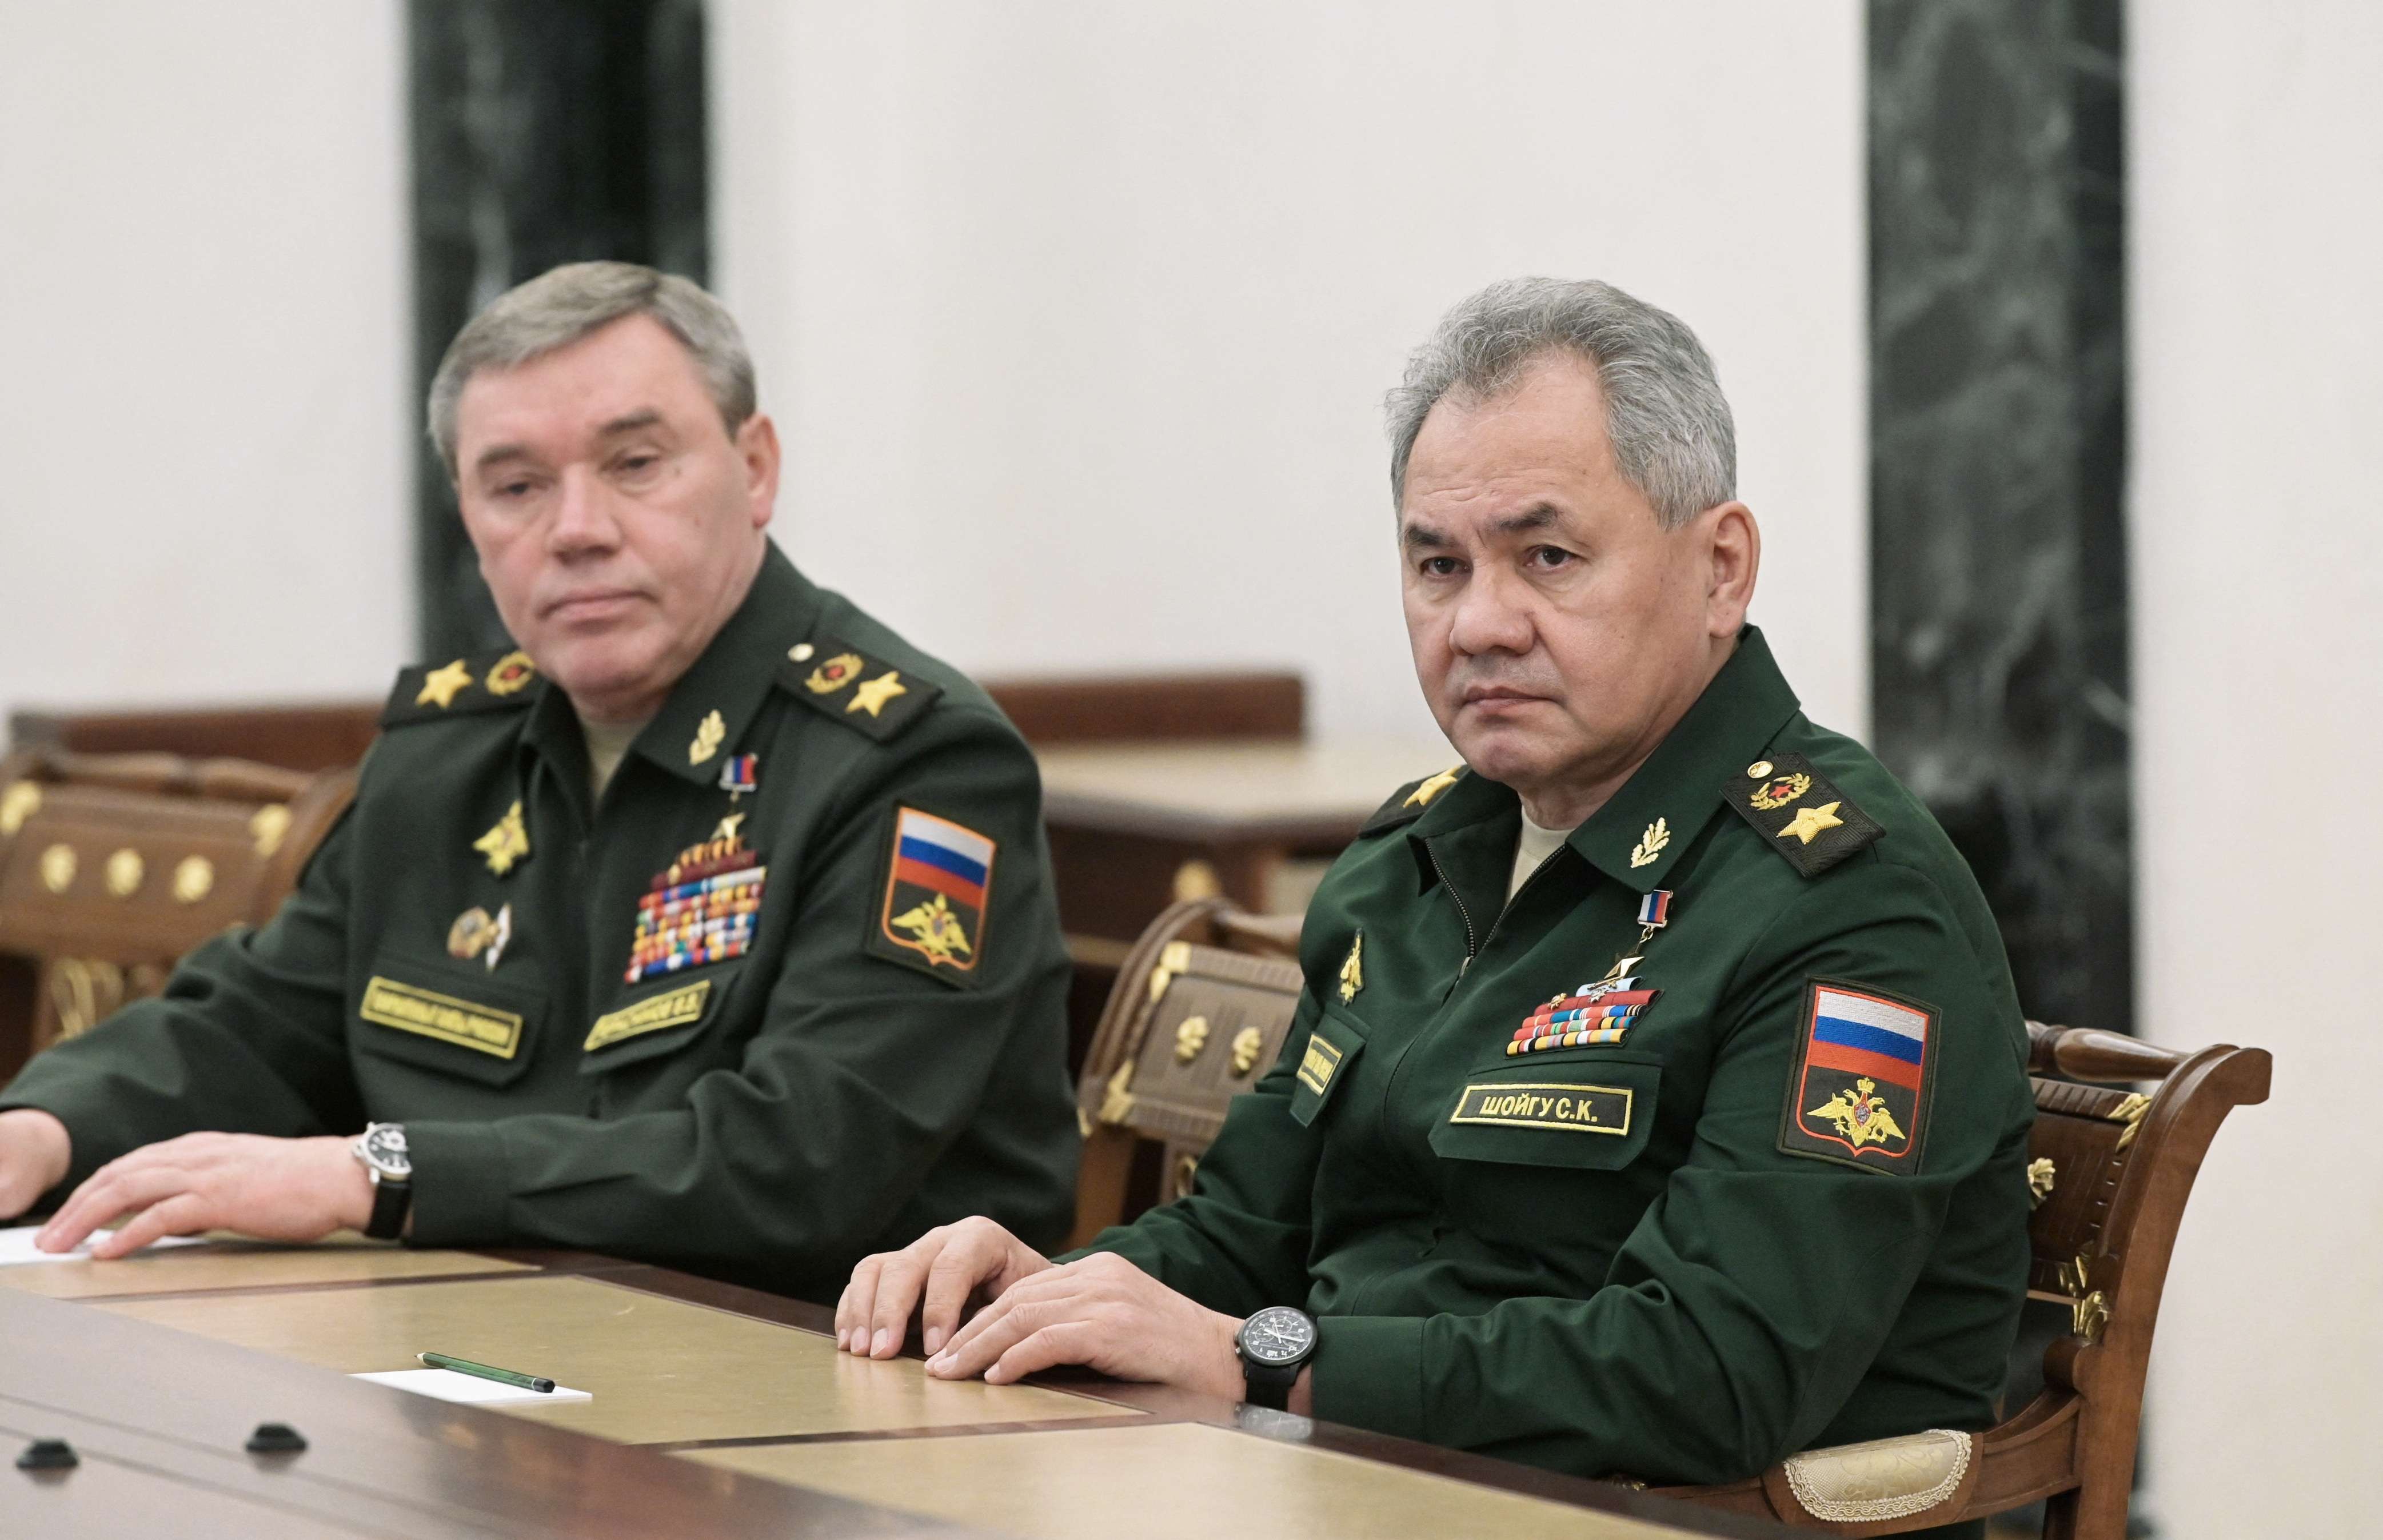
(732, 677)
(734, 674)
(1743, 709)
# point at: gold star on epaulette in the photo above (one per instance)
(1810, 822)
(442, 686)
(872, 697)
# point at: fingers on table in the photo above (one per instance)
(185, 1214)
(115, 1188)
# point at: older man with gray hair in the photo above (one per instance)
(1656, 1103)
(712, 924)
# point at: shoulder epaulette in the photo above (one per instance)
(497, 682)
(866, 694)
(1811, 823)
(1407, 804)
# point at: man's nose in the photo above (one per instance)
(584, 520)
(1492, 615)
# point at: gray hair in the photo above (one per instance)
(1664, 413)
(559, 307)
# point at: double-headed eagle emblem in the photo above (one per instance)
(943, 936)
(1860, 1115)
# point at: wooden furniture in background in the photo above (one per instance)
(1200, 1009)
(2111, 1172)
(112, 866)
(332, 735)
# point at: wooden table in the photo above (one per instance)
(717, 1412)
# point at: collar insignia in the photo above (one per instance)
(1650, 845)
(507, 842)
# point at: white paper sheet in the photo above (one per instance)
(445, 1385)
(17, 1246)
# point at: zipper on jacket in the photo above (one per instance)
(1462, 912)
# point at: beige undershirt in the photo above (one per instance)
(1534, 845)
(608, 745)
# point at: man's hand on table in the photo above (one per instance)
(273, 1188)
(1101, 1311)
(35, 1154)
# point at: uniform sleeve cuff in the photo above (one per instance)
(1368, 1372)
(460, 1187)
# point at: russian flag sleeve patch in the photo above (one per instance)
(1859, 1091)
(938, 874)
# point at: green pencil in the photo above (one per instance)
(485, 1371)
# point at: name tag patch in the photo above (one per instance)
(1573, 1108)
(675, 1009)
(479, 1027)
(1317, 1066)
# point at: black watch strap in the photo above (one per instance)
(390, 1202)
(1269, 1385)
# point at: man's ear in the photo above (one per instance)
(756, 449)
(1732, 557)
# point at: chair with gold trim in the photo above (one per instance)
(1201, 1003)
(113, 866)
(2110, 1173)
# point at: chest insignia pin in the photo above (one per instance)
(1353, 969)
(507, 844)
(473, 934)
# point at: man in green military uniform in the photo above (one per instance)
(713, 926)
(1656, 1103)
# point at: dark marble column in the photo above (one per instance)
(1998, 579)
(1998, 588)
(544, 131)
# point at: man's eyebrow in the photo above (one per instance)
(1538, 516)
(496, 454)
(1422, 538)
(630, 424)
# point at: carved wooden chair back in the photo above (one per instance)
(113, 866)
(2111, 1169)
(1198, 1011)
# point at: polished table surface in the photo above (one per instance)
(717, 1411)
(1283, 788)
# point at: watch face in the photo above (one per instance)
(1277, 1335)
(385, 1148)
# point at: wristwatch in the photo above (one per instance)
(381, 1150)
(1273, 1345)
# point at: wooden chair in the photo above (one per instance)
(1201, 1003)
(2110, 1174)
(113, 866)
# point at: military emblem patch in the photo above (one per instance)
(1858, 1092)
(936, 879)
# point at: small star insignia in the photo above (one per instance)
(442, 686)
(708, 735)
(872, 697)
(505, 844)
(1810, 822)
(1421, 796)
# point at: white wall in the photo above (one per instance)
(1078, 315)
(2257, 202)
(203, 470)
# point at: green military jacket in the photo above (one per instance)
(823, 860)
(1767, 1192)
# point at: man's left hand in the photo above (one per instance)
(1105, 1313)
(273, 1188)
